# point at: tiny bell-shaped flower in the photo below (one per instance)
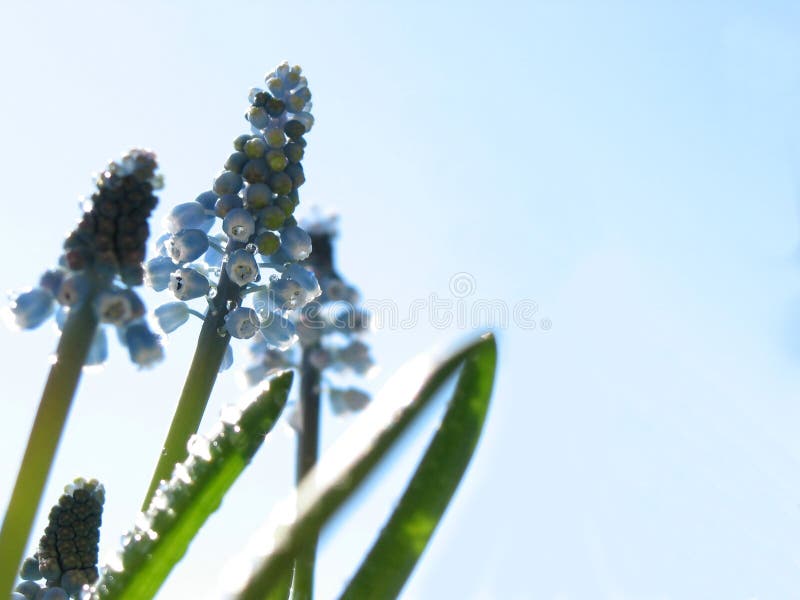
(74, 290)
(189, 215)
(187, 284)
(242, 267)
(306, 279)
(187, 245)
(113, 306)
(239, 224)
(30, 309)
(348, 400)
(295, 242)
(157, 272)
(278, 331)
(171, 315)
(143, 345)
(242, 322)
(285, 294)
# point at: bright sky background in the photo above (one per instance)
(632, 168)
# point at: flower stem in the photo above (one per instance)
(208, 356)
(48, 426)
(307, 452)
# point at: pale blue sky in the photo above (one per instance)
(630, 167)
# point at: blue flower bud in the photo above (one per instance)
(73, 290)
(144, 346)
(242, 267)
(350, 399)
(354, 357)
(113, 306)
(187, 245)
(242, 322)
(30, 570)
(306, 279)
(51, 280)
(278, 331)
(55, 593)
(189, 215)
(239, 224)
(171, 315)
(160, 244)
(98, 351)
(28, 589)
(207, 200)
(351, 319)
(227, 182)
(187, 284)
(284, 294)
(157, 271)
(32, 308)
(295, 242)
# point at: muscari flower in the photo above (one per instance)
(328, 325)
(102, 259)
(258, 240)
(66, 559)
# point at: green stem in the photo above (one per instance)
(208, 356)
(48, 426)
(307, 453)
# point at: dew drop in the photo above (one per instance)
(160, 502)
(230, 414)
(212, 293)
(200, 447)
(222, 332)
(237, 230)
(251, 248)
(181, 473)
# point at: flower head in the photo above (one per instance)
(67, 555)
(103, 255)
(254, 198)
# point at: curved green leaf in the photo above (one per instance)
(346, 465)
(403, 539)
(179, 508)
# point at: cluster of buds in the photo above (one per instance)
(67, 557)
(329, 329)
(253, 201)
(101, 262)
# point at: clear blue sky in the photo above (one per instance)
(632, 168)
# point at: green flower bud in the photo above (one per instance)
(255, 147)
(280, 183)
(236, 161)
(268, 243)
(272, 217)
(256, 171)
(277, 160)
(239, 142)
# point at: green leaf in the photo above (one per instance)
(346, 465)
(403, 539)
(178, 509)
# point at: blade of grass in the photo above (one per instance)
(403, 539)
(344, 468)
(180, 508)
